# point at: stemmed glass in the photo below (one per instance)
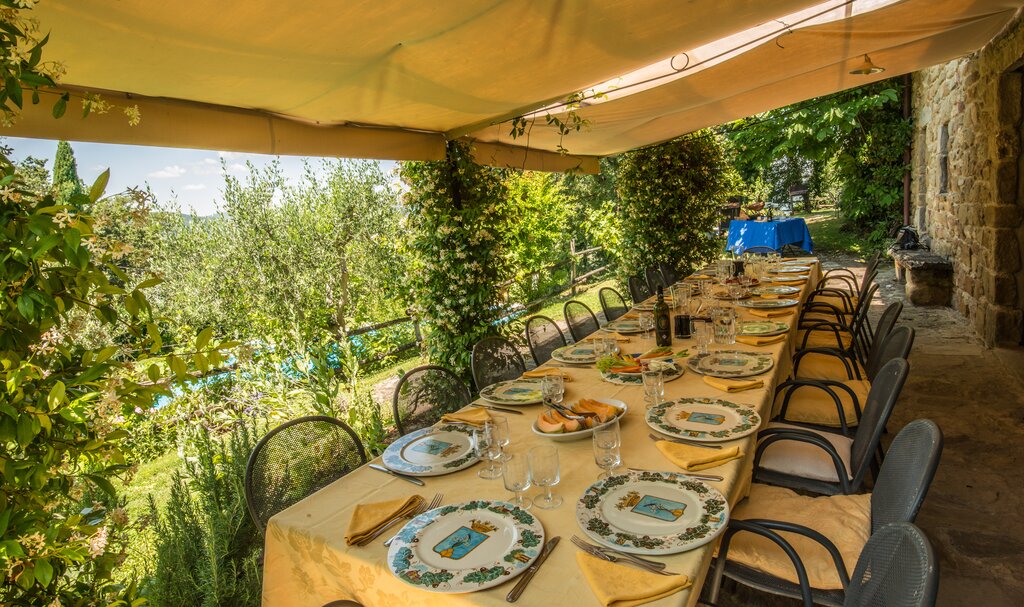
(606, 448)
(545, 473)
(646, 323)
(502, 434)
(654, 387)
(487, 448)
(515, 473)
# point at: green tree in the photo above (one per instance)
(66, 183)
(539, 234)
(458, 215)
(670, 195)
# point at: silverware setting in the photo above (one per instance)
(614, 556)
(524, 580)
(683, 441)
(434, 503)
(700, 477)
(406, 478)
(497, 408)
(390, 522)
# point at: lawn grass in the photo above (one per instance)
(831, 235)
(585, 293)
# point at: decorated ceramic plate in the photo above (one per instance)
(730, 363)
(788, 269)
(432, 451)
(624, 326)
(644, 307)
(783, 279)
(768, 303)
(672, 370)
(652, 512)
(761, 328)
(575, 354)
(777, 290)
(466, 547)
(513, 392)
(703, 419)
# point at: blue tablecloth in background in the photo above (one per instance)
(774, 234)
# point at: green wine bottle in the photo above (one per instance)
(662, 321)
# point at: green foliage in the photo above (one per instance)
(539, 234)
(670, 195)
(66, 183)
(457, 219)
(855, 139)
(207, 547)
(22, 69)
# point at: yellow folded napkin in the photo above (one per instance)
(733, 385)
(545, 371)
(368, 518)
(630, 315)
(771, 313)
(753, 340)
(769, 295)
(701, 276)
(694, 459)
(624, 586)
(609, 335)
(475, 416)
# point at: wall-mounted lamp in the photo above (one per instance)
(867, 67)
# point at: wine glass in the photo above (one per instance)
(502, 434)
(545, 473)
(515, 472)
(487, 448)
(654, 387)
(646, 323)
(606, 448)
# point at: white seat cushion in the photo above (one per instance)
(812, 405)
(844, 519)
(804, 459)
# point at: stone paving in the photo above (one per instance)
(973, 512)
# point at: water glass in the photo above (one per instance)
(553, 388)
(600, 347)
(646, 322)
(606, 448)
(702, 333)
(487, 448)
(545, 473)
(502, 434)
(515, 472)
(654, 387)
(681, 298)
(724, 270)
(724, 321)
(611, 345)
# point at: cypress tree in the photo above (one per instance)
(65, 173)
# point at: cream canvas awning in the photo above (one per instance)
(395, 79)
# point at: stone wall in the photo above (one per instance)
(966, 190)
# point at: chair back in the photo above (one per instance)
(580, 318)
(896, 568)
(759, 250)
(638, 289)
(896, 344)
(612, 304)
(668, 273)
(887, 321)
(906, 474)
(495, 359)
(426, 393)
(880, 402)
(543, 336)
(654, 279)
(297, 459)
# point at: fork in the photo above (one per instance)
(390, 522)
(434, 503)
(615, 558)
(581, 542)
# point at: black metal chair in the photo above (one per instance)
(852, 334)
(830, 404)
(580, 318)
(899, 492)
(843, 299)
(669, 273)
(843, 362)
(654, 279)
(612, 304)
(495, 359)
(847, 277)
(544, 337)
(426, 393)
(825, 462)
(297, 459)
(898, 568)
(638, 289)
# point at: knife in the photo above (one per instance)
(411, 479)
(698, 476)
(683, 441)
(496, 408)
(520, 586)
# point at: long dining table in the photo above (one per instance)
(308, 564)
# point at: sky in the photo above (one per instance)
(192, 178)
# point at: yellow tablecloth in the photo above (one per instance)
(307, 563)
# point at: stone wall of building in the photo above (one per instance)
(966, 179)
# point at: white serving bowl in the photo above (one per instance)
(565, 437)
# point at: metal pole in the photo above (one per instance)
(572, 266)
(906, 151)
